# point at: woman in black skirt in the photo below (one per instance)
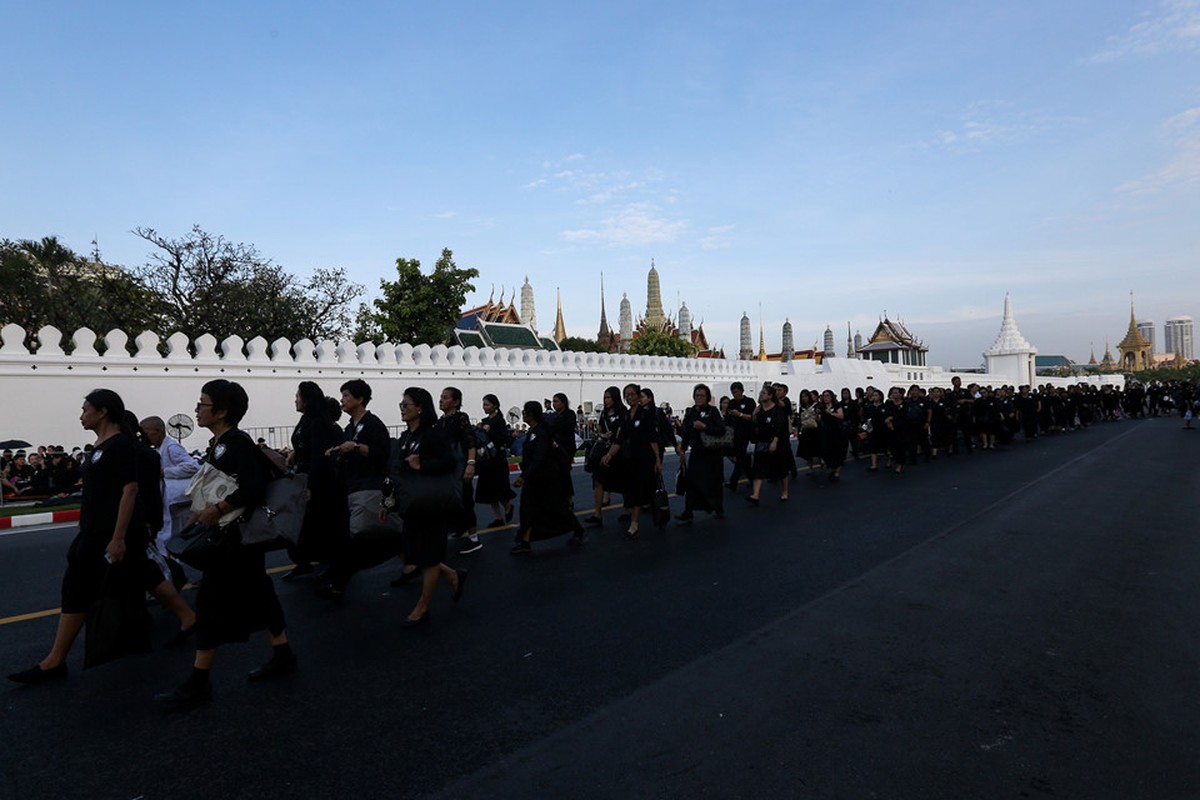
(424, 448)
(941, 422)
(704, 474)
(112, 539)
(493, 487)
(639, 448)
(545, 512)
(606, 478)
(456, 425)
(874, 425)
(899, 436)
(852, 421)
(770, 439)
(236, 596)
(807, 446)
(831, 434)
(323, 534)
(562, 424)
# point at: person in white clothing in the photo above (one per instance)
(178, 467)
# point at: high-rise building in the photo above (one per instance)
(1146, 329)
(1179, 337)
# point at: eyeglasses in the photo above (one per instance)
(407, 404)
(203, 405)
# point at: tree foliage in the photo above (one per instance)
(578, 344)
(208, 284)
(417, 308)
(655, 343)
(44, 282)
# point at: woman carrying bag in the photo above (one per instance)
(108, 554)
(236, 596)
(424, 451)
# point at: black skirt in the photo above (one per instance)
(424, 541)
(704, 480)
(236, 598)
(493, 485)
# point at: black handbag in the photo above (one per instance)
(276, 522)
(660, 505)
(420, 495)
(596, 452)
(117, 624)
(722, 443)
(200, 546)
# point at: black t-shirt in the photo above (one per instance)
(112, 465)
(742, 427)
(362, 473)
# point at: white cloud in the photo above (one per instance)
(634, 225)
(1175, 26)
(446, 215)
(992, 123)
(716, 238)
(1183, 169)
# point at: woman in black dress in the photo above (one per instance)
(704, 475)
(493, 488)
(807, 446)
(831, 434)
(639, 448)
(424, 448)
(770, 438)
(606, 478)
(112, 539)
(876, 429)
(941, 422)
(852, 421)
(545, 512)
(461, 434)
(324, 531)
(236, 596)
(562, 424)
(987, 418)
(895, 419)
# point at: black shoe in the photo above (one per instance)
(276, 666)
(684, 517)
(508, 513)
(327, 591)
(593, 520)
(181, 637)
(35, 675)
(496, 523)
(185, 696)
(405, 577)
(470, 546)
(521, 549)
(299, 571)
(752, 501)
(577, 539)
(731, 486)
(413, 623)
(462, 581)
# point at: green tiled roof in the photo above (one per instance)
(549, 344)
(469, 338)
(503, 335)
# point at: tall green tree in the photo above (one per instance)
(417, 308)
(655, 343)
(209, 284)
(44, 282)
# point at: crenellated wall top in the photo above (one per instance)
(147, 349)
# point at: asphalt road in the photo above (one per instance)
(1012, 624)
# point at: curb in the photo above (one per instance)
(31, 520)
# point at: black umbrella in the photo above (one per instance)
(9, 444)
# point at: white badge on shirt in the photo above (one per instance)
(218, 451)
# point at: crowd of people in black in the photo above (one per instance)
(371, 498)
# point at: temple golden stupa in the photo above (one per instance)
(1136, 352)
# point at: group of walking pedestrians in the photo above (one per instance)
(372, 499)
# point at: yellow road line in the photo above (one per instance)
(272, 571)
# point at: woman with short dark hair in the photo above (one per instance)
(704, 472)
(236, 596)
(606, 479)
(544, 509)
(326, 516)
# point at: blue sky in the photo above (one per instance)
(827, 160)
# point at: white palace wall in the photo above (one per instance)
(43, 389)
